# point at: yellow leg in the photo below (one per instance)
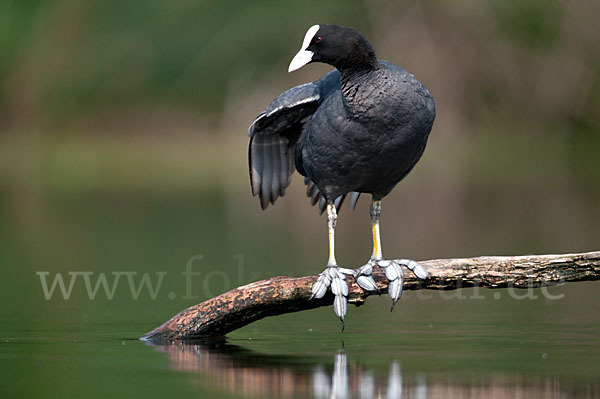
(375, 212)
(333, 276)
(331, 221)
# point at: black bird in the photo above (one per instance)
(361, 128)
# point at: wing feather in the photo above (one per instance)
(276, 159)
(284, 171)
(267, 176)
(255, 158)
(275, 133)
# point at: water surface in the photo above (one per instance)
(466, 343)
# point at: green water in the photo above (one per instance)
(435, 344)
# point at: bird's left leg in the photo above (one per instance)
(333, 275)
(393, 269)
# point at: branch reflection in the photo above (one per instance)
(238, 370)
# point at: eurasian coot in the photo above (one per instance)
(359, 129)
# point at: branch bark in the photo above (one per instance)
(277, 295)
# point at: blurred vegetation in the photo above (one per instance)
(65, 58)
(130, 98)
(534, 61)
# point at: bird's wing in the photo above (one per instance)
(272, 138)
(274, 133)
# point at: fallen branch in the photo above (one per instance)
(277, 295)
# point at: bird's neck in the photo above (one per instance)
(359, 60)
(351, 75)
(353, 83)
(356, 68)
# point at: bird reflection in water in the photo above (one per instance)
(336, 385)
(238, 370)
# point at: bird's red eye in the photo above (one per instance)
(318, 39)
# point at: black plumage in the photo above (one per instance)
(359, 129)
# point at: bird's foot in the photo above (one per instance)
(393, 272)
(335, 277)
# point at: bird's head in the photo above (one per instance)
(341, 47)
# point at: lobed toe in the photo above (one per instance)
(367, 283)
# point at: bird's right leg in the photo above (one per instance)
(393, 271)
(333, 276)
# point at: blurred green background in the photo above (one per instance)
(123, 148)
